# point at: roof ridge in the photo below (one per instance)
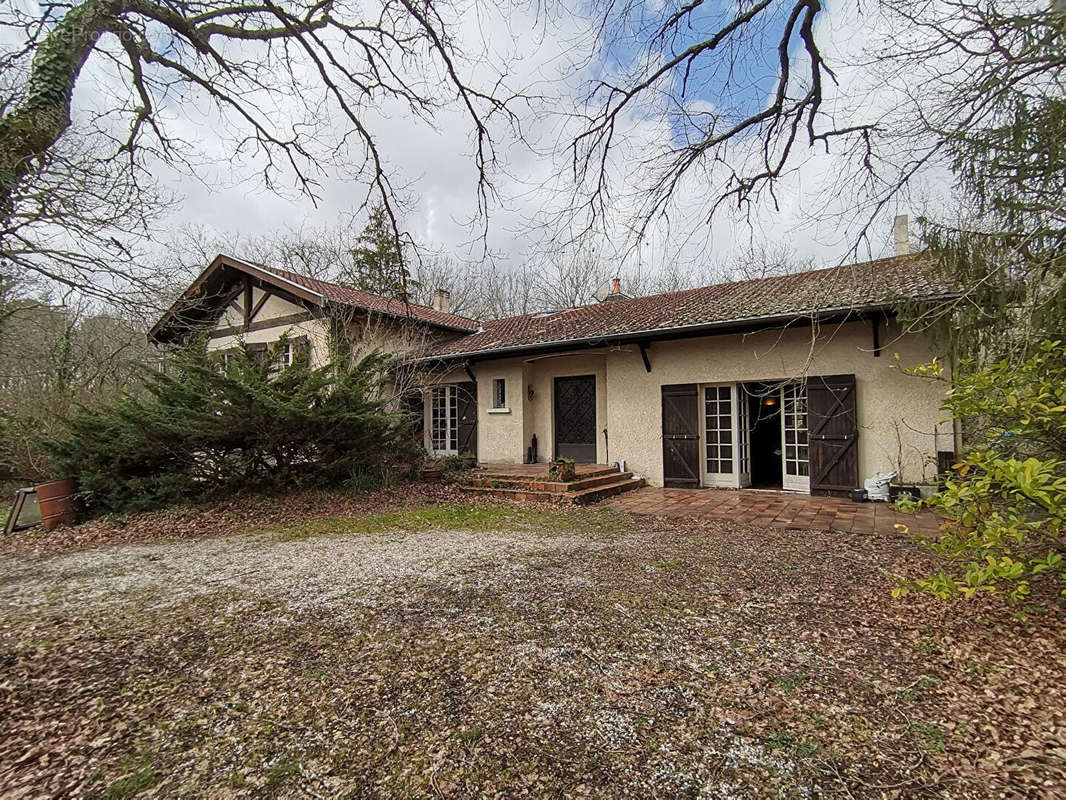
(842, 289)
(677, 292)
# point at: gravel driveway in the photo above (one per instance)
(460, 651)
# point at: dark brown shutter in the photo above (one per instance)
(466, 413)
(833, 426)
(681, 435)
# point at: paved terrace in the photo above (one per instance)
(777, 509)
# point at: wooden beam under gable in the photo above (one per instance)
(259, 305)
(247, 281)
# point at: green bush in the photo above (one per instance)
(206, 428)
(1005, 502)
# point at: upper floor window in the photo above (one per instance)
(283, 358)
(499, 393)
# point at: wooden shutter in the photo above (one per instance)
(833, 426)
(681, 435)
(466, 416)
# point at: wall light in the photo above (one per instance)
(769, 400)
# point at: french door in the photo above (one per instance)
(743, 438)
(726, 429)
(444, 421)
(719, 435)
(795, 463)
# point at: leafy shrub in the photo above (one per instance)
(205, 428)
(1005, 502)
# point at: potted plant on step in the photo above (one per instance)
(562, 470)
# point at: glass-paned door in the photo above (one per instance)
(743, 437)
(795, 463)
(444, 427)
(719, 449)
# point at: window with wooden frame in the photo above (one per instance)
(444, 424)
(282, 357)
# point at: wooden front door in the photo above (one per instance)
(833, 426)
(681, 435)
(466, 416)
(575, 418)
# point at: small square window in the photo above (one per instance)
(499, 393)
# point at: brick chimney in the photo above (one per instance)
(901, 235)
(442, 300)
(616, 291)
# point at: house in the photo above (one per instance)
(790, 382)
(256, 304)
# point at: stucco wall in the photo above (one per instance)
(900, 419)
(501, 436)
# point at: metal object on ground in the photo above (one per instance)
(24, 511)
(57, 503)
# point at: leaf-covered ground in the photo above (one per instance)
(437, 649)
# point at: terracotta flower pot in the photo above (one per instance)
(57, 502)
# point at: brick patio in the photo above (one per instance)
(777, 509)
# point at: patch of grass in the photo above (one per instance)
(930, 737)
(910, 692)
(472, 735)
(132, 784)
(448, 516)
(797, 746)
(790, 683)
(279, 772)
(666, 564)
(978, 669)
(926, 647)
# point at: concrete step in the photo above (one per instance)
(537, 485)
(501, 474)
(598, 493)
(587, 495)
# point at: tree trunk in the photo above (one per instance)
(32, 127)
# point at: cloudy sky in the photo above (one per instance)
(555, 52)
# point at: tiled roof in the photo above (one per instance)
(868, 285)
(372, 302)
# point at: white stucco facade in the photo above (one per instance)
(901, 426)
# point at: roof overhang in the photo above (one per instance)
(190, 309)
(745, 325)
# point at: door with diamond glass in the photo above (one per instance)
(575, 418)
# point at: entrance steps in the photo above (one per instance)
(530, 482)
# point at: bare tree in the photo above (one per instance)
(745, 92)
(276, 75)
